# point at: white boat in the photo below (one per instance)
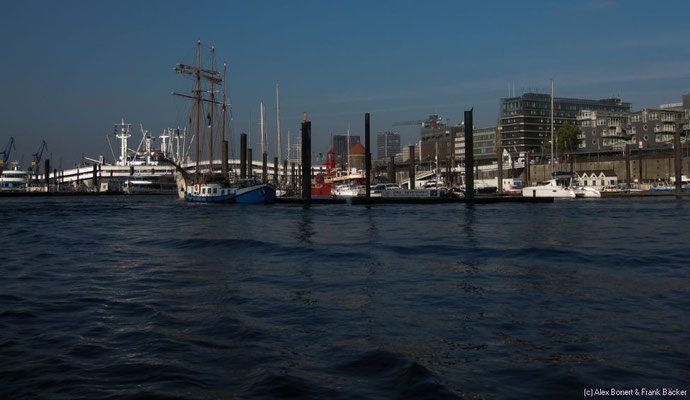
(348, 190)
(549, 188)
(13, 179)
(153, 184)
(586, 191)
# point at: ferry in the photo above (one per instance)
(14, 179)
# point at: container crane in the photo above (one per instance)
(6, 153)
(38, 155)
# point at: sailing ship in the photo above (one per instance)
(209, 185)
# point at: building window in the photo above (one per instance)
(646, 138)
(644, 127)
(594, 141)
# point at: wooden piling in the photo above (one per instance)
(250, 164)
(412, 168)
(243, 155)
(293, 181)
(46, 170)
(275, 171)
(95, 177)
(306, 158)
(367, 159)
(499, 160)
(285, 170)
(628, 181)
(678, 153)
(391, 169)
(264, 167)
(469, 155)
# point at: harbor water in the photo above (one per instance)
(151, 297)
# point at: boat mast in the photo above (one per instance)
(553, 155)
(348, 148)
(211, 107)
(263, 130)
(197, 99)
(278, 149)
(123, 136)
(225, 66)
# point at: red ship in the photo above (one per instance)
(323, 181)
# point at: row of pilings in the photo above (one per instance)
(306, 172)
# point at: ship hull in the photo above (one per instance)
(260, 194)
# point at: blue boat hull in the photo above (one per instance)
(263, 194)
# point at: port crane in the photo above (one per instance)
(7, 151)
(38, 155)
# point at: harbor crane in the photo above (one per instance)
(7, 151)
(38, 155)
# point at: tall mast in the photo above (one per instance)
(211, 106)
(348, 148)
(553, 155)
(197, 98)
(278, 148)
(288, 146)
(123, 136)
(263, 129)
(225, 66)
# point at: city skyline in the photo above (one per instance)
(74, 69)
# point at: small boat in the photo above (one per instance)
(662, 187)
(549, 188)
(349, 190)
(586, 191)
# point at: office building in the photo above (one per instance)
(388, 144)
(526, 119)
(484, 142)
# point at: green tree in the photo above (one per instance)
(566, 138)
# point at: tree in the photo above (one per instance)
(566, 138)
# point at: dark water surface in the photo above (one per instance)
(124, 297)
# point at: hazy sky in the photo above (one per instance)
(71, 69)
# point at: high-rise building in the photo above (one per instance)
(340, 147)
(388, 144)
(526, 119)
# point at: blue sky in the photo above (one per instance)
(71, 69)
